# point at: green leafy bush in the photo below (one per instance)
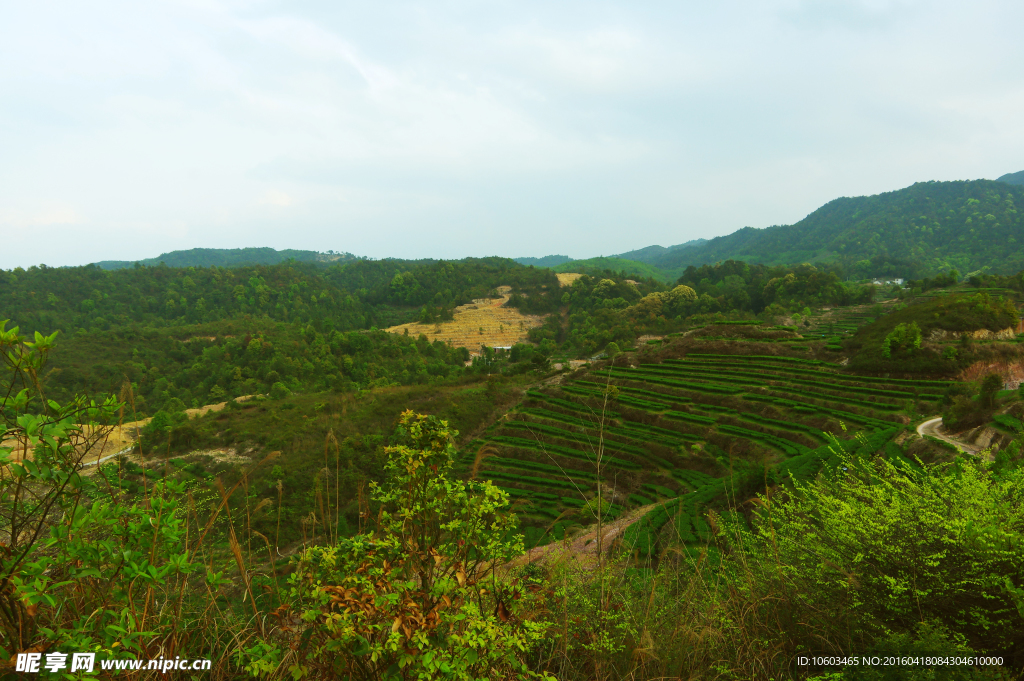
(882, 547)
(417, 597)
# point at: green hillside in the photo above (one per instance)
(613, 264)
(1012, 178)
(354, 295)
(669, 424)
(546, 261)
(650, 254)
(229, 257)
(924, 338)
(284, 508)
(920, 230)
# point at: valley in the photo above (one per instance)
(613, 458)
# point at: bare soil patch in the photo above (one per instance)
(581, 549)
(485, 321)
(120, 439)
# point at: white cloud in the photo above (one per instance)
(276, 198)
(43, 217)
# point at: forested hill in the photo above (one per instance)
(546, 261)
(652, 254)
(630, 268)
(229, 257)
(355, 295)
(1012, 178)
(920, 230)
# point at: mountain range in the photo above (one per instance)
(228, 257)
(919, 230)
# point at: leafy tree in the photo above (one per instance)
(78, 567)
(904, 338)
(417, 597)
(279, 391)
(990, 387)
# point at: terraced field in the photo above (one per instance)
(687, 429)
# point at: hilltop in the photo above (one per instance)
(615, 264)
(1012, 178)
(229, 257)
(546, 261)
(934, 337)
(919, 230)
(652, 253)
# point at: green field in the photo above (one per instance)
(685, 431)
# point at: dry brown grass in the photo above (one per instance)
(567, 278)
(119, 438)
(502, 326)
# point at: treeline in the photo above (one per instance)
(595, 314)
(736, 285)
(444, 284)
(220, 361)
(611, 308)
(357, 295)
(1014, 282)
(229, 257)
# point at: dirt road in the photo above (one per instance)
(583, 547)
(932, 427)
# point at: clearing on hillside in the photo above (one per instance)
(567, 278)
(485, 321)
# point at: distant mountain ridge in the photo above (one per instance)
(632, 268)
(651, 254)
(1012, 178)
(546, 261)
(922, 229)
(229, 257)
(915, 231)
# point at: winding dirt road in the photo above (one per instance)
(932, 427)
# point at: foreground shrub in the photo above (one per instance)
(80, 569)
(416, 598)
(871, 558)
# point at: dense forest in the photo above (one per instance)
(735, 285)
(176, 368)
(184, 337)
(358, 295)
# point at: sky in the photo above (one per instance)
(472, 128)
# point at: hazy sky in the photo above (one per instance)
(468, 128)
